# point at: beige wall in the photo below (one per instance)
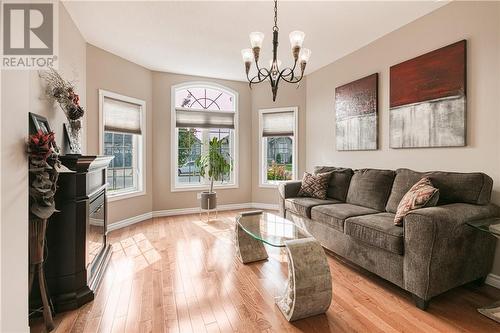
(110, 72)
(22, 92)
(163, 198)
(288, 95)
(479, 23)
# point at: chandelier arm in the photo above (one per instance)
(257, 78)
(292, 80)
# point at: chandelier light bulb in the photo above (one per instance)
(247, 55)
(297, 38)
(304, 55)
(256, 39)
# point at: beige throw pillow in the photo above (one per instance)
(422, 194)
(314, 186)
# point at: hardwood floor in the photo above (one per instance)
(178, 274)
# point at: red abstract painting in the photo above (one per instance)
(437, 74)
(428, 99)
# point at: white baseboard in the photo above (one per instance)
(184, 211)
(493, 280)
(130, 221)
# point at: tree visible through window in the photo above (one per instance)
(279, 162)
(202, 112)
(278, 140)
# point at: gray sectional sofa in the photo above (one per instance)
(433, 252)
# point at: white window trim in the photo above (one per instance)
(174, 187)
(141, 162)
(295, 156)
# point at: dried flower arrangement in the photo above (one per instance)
(63, 92)
(43, 168)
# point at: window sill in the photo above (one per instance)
(124, 195)
(273, 185)
(202, 188)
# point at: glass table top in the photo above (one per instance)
(491, 225)
(269, 228)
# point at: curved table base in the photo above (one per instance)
(248, 249)
(309, 288)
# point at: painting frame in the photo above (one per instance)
(356, 114)
(428, 100)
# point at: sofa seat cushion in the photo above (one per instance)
(335, 215)
(302, 205)
(377, 230)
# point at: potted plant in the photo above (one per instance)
(214, 164)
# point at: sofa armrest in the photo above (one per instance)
(442, 251)
(287, 189)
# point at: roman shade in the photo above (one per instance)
(199, 118)
(278, 123)
(121, 117)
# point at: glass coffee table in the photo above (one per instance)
(491, 226)
(309, 288)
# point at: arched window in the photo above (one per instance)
(200, 112)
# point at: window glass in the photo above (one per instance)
(191, 143)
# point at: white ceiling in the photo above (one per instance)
(205, 38)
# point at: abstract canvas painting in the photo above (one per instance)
(428, 99)
(356, 105)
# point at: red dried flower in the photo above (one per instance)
(74, 98)
(40, 145)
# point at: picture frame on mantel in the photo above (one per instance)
(39, 123)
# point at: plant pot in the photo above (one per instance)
(208, 200)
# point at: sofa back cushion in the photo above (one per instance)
(339, 181)
(405, 179)
(370, 188)
(454, 187)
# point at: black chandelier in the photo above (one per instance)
(275, 74)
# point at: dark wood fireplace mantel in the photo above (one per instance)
(78, 251)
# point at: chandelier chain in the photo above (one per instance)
(275, 28)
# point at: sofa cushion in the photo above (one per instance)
(335, 215)
(302, 205)
(339, 181)
(377, 230)
(454, 187)
(370, 188)
(404, 180)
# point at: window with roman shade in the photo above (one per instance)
(121, 117)
(278, 145)
(200, 112)
(122, 136)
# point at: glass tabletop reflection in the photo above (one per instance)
(269, 228)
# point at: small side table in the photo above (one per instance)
(491, 226)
